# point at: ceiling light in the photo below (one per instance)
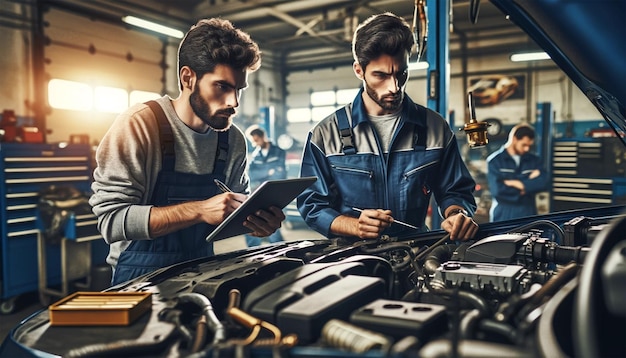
(418, 65)
(153, 26)
(529, 56)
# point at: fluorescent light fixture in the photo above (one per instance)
(529, 56)
(152, 26)
(422, 65)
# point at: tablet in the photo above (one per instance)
(277, 193)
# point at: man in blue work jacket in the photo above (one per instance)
(381, 157)
(515, 176)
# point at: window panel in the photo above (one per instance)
(63, 94)
(295, 115)
(111, 99)
(346, 96)
(323, 98)
(142, 96)
(319, 113)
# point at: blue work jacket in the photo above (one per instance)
(423, 160)
(508, 202)
(267, 167)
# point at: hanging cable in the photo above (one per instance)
(473, 10)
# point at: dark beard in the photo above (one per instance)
(220, 121)
(387, 106)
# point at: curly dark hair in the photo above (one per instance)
(381, 34)
(212, 42)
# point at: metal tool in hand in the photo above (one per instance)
(394, 220)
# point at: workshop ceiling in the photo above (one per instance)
(308, 34)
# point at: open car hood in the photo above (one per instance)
(589, 49)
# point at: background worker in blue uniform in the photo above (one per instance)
(515, 176)
(267, 162)
(154, 191)
(383, 153)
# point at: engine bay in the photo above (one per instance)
(510, 294)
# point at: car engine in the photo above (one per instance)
(514, 294)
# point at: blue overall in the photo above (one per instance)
(354, 172)
(351, 171)
(144, 256)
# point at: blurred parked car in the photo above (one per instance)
(493, 89)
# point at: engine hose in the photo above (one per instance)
(212, 322)
(425, 252)
(505, 330)
(173, 316)
(391, 247)
(554, 284)
(511, 307)
(411, 296)
(538, 223)
(468, 324)
(123, 348)
(201, 334)
(472, 349)
(476, 301)
(151, 341)
(437, 256)
(344, 335)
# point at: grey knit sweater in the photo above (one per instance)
(128, 163)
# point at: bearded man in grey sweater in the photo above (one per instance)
(154, 190)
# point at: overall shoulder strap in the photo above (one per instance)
(222, 152)
(345, 131)
(166, 136)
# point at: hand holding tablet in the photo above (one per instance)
(277, 193)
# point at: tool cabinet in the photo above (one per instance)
(25, 170)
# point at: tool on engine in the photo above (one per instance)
(476, 131)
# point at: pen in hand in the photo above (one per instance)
(394, 220)
(222, 186)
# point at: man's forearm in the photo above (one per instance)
(517, 184)
(168, 219)
(344, 226)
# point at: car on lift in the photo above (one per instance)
(544, 286)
